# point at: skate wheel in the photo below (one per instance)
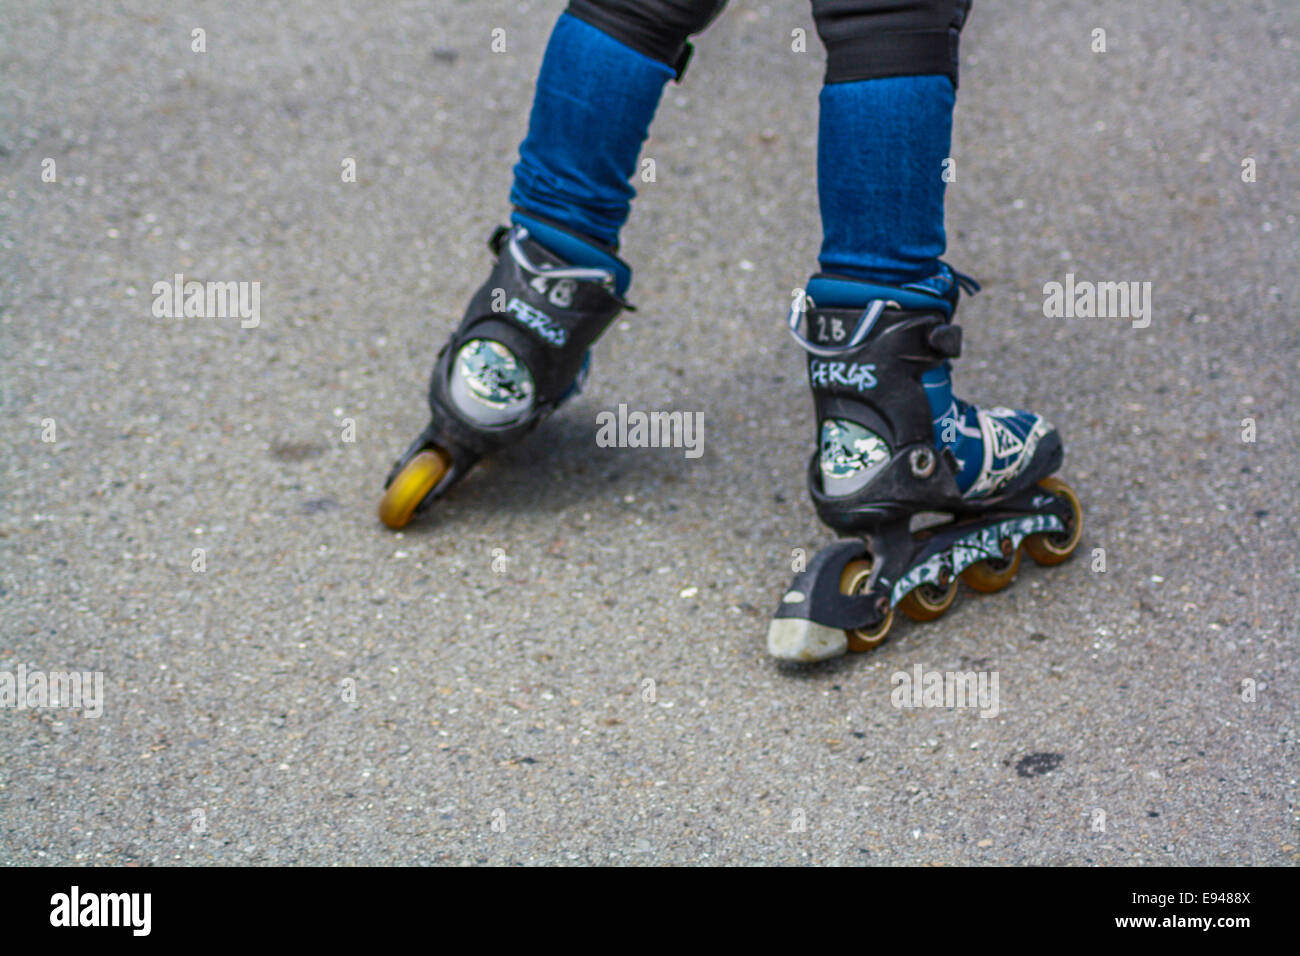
(992, 574)
(928, 601)
(412, 485)
(852, 581)
(1054, 548)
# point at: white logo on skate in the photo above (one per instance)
(837, 332)
(1005, 442)
(982, 545)
(560, 292)
(1005, 453)
(855, 375)
(539, 322)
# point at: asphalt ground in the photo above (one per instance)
(326, 691)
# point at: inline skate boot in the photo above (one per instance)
(932, 489)
(521, 351)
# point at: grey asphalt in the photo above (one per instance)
(506, 714)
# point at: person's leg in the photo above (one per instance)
(604, 70)
(877, 324)
(881, 147)
(522, 347)
(885, 132)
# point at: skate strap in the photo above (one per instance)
(945, 340)
(578, 273)
(866, 321)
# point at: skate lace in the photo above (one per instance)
(967, 283)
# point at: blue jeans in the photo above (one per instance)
(882, 145)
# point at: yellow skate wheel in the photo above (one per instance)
(412, 485)
(928, 601)
(992, 574)
(852, 581)
(1054, 548)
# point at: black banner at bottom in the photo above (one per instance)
(332, 906)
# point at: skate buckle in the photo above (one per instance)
(922, 462)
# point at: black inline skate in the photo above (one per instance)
(520, 352)
(886, 471)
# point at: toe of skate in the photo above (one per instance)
(798, 639)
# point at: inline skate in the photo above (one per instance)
(521, 351)
(930, 496)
